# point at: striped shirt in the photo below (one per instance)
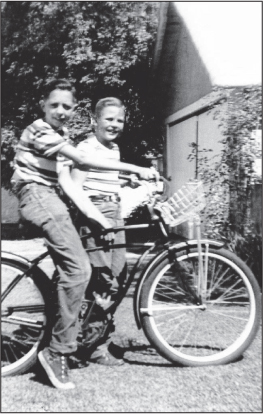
(37, 157)
(100, 182)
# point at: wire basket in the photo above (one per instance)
(183, 205)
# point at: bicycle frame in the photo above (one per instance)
(167, 243)
(149, 247)
(34, 263)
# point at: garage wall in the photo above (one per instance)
(179, 168)
(201, 129)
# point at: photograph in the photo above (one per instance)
(131, 206)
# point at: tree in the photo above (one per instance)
(105, 48)
(230, 179)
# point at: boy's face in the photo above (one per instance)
(58, 108)
(110, 124)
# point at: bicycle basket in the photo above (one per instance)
(185, 203)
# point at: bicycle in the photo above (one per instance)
(197, 303)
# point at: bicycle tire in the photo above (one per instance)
(192, 334)
(23, 316)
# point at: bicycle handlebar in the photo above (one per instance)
(134, 178)
(154, 192)
(130, 177)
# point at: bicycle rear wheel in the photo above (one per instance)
(23, 317)
(191, 331)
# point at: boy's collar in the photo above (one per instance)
(61, 131)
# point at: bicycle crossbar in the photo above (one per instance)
(26, 308)
(19, 321)
(117, 229)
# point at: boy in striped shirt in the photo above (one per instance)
(40, 168)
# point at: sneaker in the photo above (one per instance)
(56, 367)
(108, 359)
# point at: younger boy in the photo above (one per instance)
(38, 165)
(103, 188)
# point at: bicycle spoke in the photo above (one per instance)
(226, 315)
(23, 318)
(192, 332)
(169, 288)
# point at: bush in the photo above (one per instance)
(249, 249)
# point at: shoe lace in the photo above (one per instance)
(64, 366)
(62, 361)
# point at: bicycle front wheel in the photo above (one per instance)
(193, 329)
(23, 316)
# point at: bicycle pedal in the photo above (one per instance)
(83, 309)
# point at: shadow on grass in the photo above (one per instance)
(40, 375)
(131, 350)
(138, 353)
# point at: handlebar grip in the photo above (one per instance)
(128, 177)
(125, 177)
(112, 230)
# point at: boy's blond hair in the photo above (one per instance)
(103, 103)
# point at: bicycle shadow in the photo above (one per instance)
(132, 351)
(138, 353)
(135, 352)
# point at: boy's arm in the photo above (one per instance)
(85, 162)
(74, 191)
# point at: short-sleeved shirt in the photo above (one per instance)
(99, 181)
(37, 157)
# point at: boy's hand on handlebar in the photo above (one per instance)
(134, 181)
(108, 237)
(148, 174)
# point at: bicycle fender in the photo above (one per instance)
(186, 245)
(15, 258)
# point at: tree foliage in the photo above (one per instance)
(230, 179)
(105, 48)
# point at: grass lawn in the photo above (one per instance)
(146, 383)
